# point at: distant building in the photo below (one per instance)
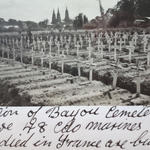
(142, 21)
(11, 26)
(57, 22)
(67, 18)
(54, 20)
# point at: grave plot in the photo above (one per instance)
(56, 88)
(111, 58)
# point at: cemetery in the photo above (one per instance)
(75, 68)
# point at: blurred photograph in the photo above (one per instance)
(74, 53)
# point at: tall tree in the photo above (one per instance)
(85, 19)
(43, 23)
(79, 21)
(134, 7)
(124, 11)
(143, 8)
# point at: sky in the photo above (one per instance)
(38, 10)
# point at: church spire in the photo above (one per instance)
(54, 18)
(67, 19)
(58, 17)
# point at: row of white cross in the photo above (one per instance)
(78, 45)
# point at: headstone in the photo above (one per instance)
(102, 49)
(44, 45)
(101, 35)
(50, 46)
(92, 36)
(3, 52)
(86, 39)
(33, 53)
(109, 44)
(115, 77)
(75, 39)
(115, 74)
(50, 63)
(42, 58)
(65, 39)
(130, 55)
(120, 43)
(14, 54)
(138, 85)
(89, 41)
(58, 48)
(38, 43)
(145, 43)
(106, 35)
(62, 66)
(115, 51)
(41, 38)
(77, 47)
(34, 44)
(17, 43)
(21, 42)
(21, 55)
(56, 39)
(98, 44)
(135, 37)
(8, 53)
(81, 42)
(125, 38)
(116, 36)
(62, 63)
(69, 40)
(91, 71)
(61, 40)
(131, 50)
(13, 43)
(90, 52)
(6, 42)
(79, 69)
(47, 37)
(148, 58)
(67, 48)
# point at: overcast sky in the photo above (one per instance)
(38, 10)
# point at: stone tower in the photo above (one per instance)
(54, 18)
(67, 19)
(58, 17)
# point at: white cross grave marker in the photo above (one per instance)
(77, 47)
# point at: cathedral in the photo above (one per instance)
(58, 22)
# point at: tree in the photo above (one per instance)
(142, 7)
(13, 22)
(2, 21)
(124, 11)
(134, 8)
(44, 23)
(79, 21)
(31, 25)
(114, 21)
(85, 19)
